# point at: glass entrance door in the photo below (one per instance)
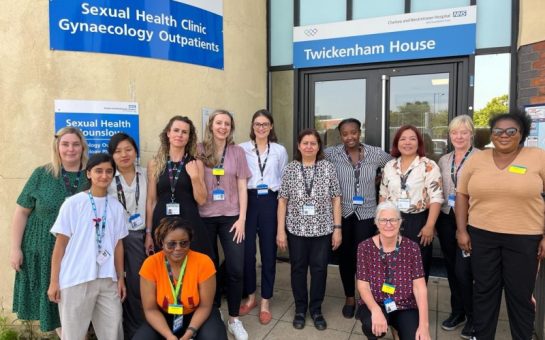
(383, 100)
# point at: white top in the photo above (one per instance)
(75, 220)
(130, 196)
(276, 161)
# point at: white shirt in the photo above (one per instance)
(75, 220)
(130, 196)
(277, 159)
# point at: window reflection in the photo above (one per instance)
(421, 100)
(491, 93)
(334, 101)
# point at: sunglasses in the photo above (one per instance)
(510, 132)
(384, 221)
(171, 245)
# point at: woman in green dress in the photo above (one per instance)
(36, 210)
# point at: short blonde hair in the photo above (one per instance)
(462, 121)
(55, 166)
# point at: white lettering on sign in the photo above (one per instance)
(412, 46)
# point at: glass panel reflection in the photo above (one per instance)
(421, 100)
(334, 101)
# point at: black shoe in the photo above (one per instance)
(319, 322)
(453, 321)
(349, 311)
(299, 321)
(467, 331)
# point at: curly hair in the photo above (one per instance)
(161, 157)
(168, 225)
(208, 153)
(522, 119)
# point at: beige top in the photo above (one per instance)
(506, 201)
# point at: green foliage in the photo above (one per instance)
(495, 106)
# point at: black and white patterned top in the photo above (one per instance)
(373, 158)
(325, 187)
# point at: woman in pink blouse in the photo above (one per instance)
(391, 281)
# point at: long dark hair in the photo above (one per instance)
(118, 138)
(308, 132)
(264, 113)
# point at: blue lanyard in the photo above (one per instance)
(100, 223)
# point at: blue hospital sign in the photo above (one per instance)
(431, 34)
(188, 31)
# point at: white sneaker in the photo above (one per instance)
(237, 329)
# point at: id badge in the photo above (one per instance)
(218, 171)
(218, 194)
(465, 254)
(390, 305)
(175, 309)
(262, 189)
(308, 210)
(136, 220)
(403, 203)
(451, 200)
(102, 257)
(388, 288)
(177, 323)
(357, 200)
(173, 209)
(517, 169)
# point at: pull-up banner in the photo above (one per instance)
(431, 34)
(189, 31)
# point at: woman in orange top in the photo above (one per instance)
(177, 287)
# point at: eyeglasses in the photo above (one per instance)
(510, 132)
(171, 245)
(384, 221)
(262, 125)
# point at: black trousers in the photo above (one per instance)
(305, 253)
(460, 277)
(353, 232)
(212, 329)
(134, 255)
(260, 221)
(218, 227)
(503, 261)
(404, 321)
(411, 226)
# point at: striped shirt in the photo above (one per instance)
(373, 159)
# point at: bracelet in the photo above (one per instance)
(148, 231)
(337, 226)
(193, 330)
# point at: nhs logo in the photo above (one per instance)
(458, 14)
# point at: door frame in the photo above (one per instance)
(460, 88)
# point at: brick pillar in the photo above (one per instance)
(531, 74)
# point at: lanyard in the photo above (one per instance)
(453, 173)
(70, 188)
(175, 292)
(220, 166)
(100, 223)
(173, 178)
(390, 271)
(403, 179)
(262, 168)
(308, 188)
(121, 193)
(356, 167)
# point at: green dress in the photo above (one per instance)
(43, 194)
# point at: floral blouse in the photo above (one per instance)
(325, 186)
(423, 186)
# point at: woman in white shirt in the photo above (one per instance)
(87, 262)
(130, 187)
(266, 160)
(413, 183)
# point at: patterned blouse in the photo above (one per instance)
(424, 184)
(408, 267)
(325, 186)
